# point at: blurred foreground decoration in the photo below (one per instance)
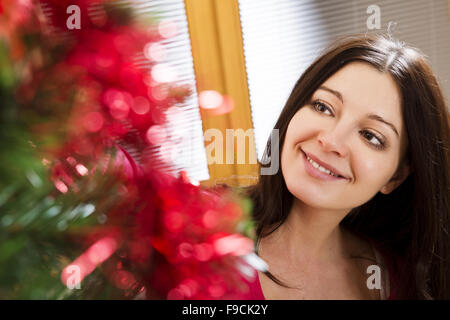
(80, 218)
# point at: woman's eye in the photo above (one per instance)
(321, 107)
(377, 142)
(373, 139)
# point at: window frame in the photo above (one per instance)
(219, 64)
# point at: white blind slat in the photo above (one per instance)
(184, 147)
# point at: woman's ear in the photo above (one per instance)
(400, 176)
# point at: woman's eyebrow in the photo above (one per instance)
(336, 93)
(379, 118)
(370, 116)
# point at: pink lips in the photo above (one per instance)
(319, 174)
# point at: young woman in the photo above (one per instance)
(360, 207)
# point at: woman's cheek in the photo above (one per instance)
(304, 126)
(374, 170)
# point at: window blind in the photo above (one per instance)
(282, 37)
(185, 147)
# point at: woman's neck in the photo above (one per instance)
(309, 236)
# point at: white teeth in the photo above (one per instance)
(320, 168)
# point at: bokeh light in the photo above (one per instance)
(156, 134)
(93, 121)
(82, 170)
(233, 244)
(214, 103)
(155, 52)
(185, 250)
(203, 251)
(140, 105)
(216, 290)
(210, 219)
(159, 92)
(163, 73)
(175, 294)
(88, 261)
(174, 221)
(101, 250)
(119, 103)
(210, 99)
(167, 29)
(61, 186)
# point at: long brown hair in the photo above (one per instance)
(412, 222)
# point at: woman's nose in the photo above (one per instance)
(334, 140)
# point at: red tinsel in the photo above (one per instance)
(165, 237)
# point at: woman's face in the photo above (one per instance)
(352, 127)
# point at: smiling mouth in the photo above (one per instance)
(318, 171)
(322, 169)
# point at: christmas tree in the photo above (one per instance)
(81, 217)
